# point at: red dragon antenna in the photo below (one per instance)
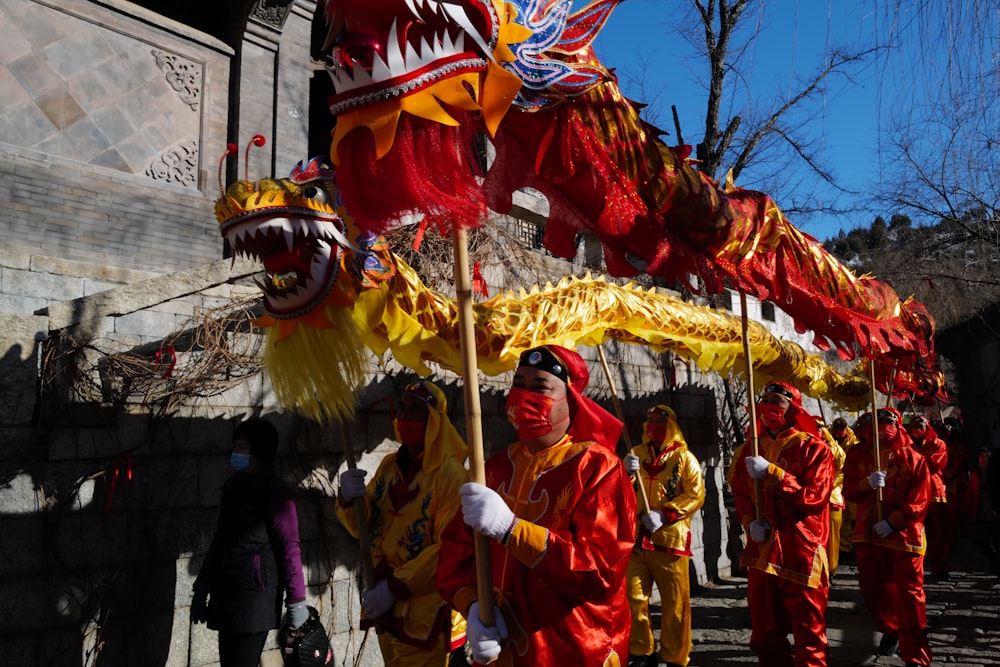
(230, 150)
(257, 140)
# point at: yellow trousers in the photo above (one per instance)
(670, 574)
(833, 548)
(397, 654)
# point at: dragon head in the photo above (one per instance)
(317, 265)
(298, 228)
(428, 58)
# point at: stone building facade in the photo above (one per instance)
(113, 119)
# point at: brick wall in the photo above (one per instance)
(111, 124)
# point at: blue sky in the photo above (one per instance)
(794, 36)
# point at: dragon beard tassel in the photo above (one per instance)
(431, 168)
(301, 372)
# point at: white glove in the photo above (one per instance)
(653, 521)
(759, 531)
(876, 480)
(485, 641)
(352, 484)
(378, 600)
(631, 464)
(757, 466)
(485, 511)
(883, 529)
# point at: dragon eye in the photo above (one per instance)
(356, 47)
(316, 193)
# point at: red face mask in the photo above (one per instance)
(656, 432)
(530, 413)
(886, 432)
(773, 416)
(410, 433)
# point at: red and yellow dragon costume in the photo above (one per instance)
(331, 292)
(417, 81)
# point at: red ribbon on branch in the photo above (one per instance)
(122, 465)
(166, 356)
(479, 287)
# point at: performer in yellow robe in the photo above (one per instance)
(846, 438)
(836, 496)
(410, 500)
(672, 479)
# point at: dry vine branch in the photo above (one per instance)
(215, 350)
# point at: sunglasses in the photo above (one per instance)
(884, 417)
(420, 390)
(780, 390)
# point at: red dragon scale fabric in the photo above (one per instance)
(416, 80)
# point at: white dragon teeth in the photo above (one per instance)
(459, 16)
(401, 59)
(396, 61)
(411, 5)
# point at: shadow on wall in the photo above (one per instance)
(106, 517)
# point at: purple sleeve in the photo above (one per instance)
(284, 529)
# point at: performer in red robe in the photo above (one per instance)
(935, 452)
(560, 511)
(889, 542)
(788, 569)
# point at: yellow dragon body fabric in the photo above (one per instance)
(419, 83)
(331, 292)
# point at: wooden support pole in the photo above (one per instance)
(751, 394)
(877, 454)
(361, 516)
(473, 412)
(621, 416)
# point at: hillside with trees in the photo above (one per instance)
(953, 267)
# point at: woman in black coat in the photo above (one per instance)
(254, 556)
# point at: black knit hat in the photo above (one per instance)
(263, 439)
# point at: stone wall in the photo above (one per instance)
(105, 114)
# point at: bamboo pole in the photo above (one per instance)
(473, 412)
(361, 517)
(367, 562)
(892, 384)
(621, 416)
(751, 403)
(877, 453)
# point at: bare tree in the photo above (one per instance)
(942, 148)
(762, 132)
(941, 151)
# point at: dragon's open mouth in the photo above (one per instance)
(300, 250)
(377, 56)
